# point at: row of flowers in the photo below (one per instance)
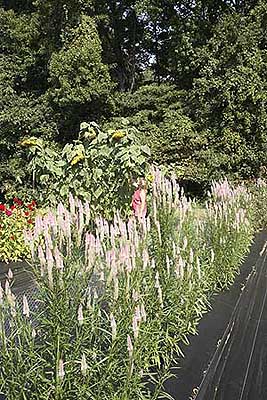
(18, 205)
(14, 219)
(115, 301)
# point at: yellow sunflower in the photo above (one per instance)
(117, 135)
(77, 158)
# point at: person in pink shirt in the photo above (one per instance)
(139, 205)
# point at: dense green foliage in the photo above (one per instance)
(112, 309)
(189, 75)
(99, 167)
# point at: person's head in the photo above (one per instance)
(139, 183)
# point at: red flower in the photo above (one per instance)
(26, 213)
(2, 207)
(30, 221)
(12, 207)
(18, 201)
(33, 203)
(8, 213)
(30, 207)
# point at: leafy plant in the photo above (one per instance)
(97, 167)
(14, 220)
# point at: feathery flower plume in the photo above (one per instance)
(41, 255)
(129, 346)
(135, 327)
(137, 313)
(80, 315)
(185, 243)
(143, 312)
(212, 256)
(180, 268)
(48, 239)
(87, 213)
(173, 249)
(26, 309)
(157, 285)
(84, 365)
(7, 287)
(113, 326)
(61, 372)
(148, 224)
(159, 230)
(135, 296)
(160, 296)
(198, 268)
(191, 256)
(168, 264)
(67, 225)
(10, 274)
(50, 263)
(155, 209)
(145, 258)
(11, 299)
(116, 288)
(38, 226)
(72, 204)
(59, 259)
(1, 295)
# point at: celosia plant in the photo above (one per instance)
(14, 219)
(115, 304)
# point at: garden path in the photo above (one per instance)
(228, 359)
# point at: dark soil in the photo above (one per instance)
(23, 279)
(227, 360)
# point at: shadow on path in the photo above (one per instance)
(227, 360)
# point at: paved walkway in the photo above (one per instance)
(228, 359)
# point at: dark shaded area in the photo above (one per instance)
(22, 276)
(228, 358)
(195, 189)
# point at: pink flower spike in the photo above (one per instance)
(129, 346)
(10, 274)
(113, 326)
(26, 309)
(1, 295)
(143, 312)
(135, 327)
(84, 365)
(41, 255)
(80, 315)
(61, 372)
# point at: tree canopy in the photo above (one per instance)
(189, 75)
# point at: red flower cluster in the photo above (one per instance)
(17, 203)
(31, 206)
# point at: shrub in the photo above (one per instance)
(98, 167)
(14, 220)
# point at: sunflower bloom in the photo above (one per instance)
(118, 135)
(77, 158)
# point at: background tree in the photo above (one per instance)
(190, 75)
(229, 96)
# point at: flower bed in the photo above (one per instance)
(14, 219)
(116, 305)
